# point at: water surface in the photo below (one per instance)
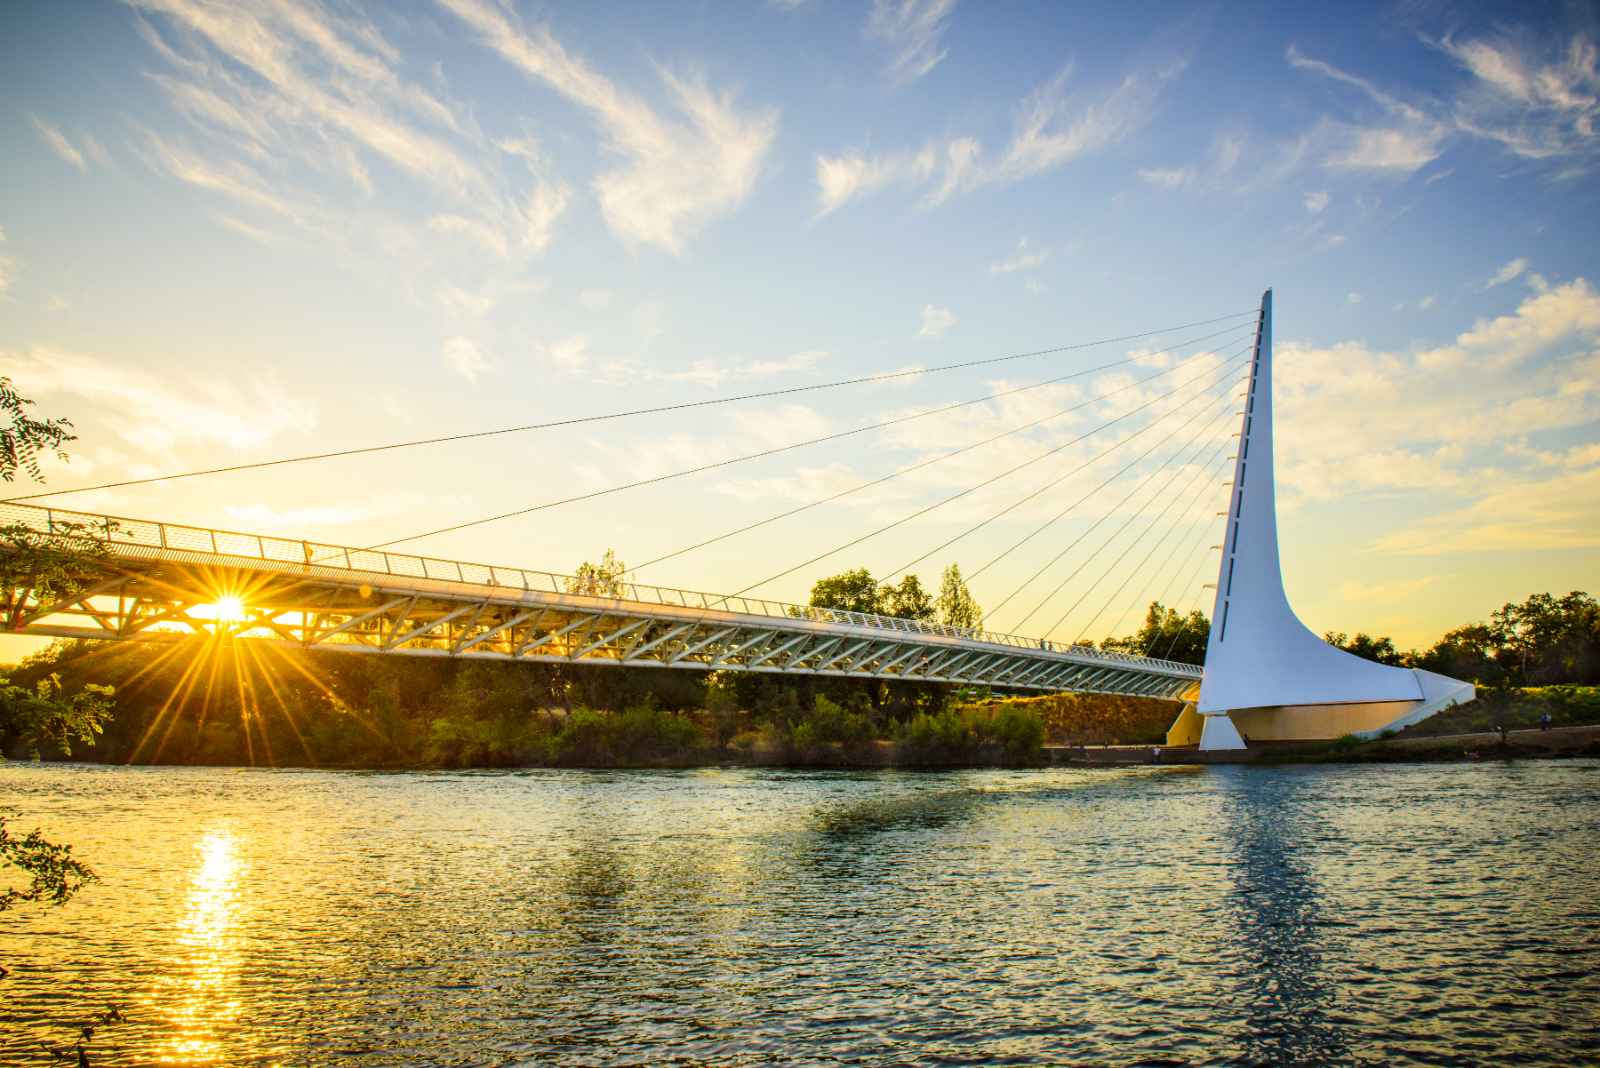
(1368, 915)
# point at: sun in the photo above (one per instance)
(225, 609)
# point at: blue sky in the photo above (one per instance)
(233, 232)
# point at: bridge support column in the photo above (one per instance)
(1218, 732)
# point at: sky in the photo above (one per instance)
(236, 232)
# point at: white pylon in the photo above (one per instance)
(1260, 656)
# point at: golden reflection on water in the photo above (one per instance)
(200, 998)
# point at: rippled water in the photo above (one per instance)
(1382, 915)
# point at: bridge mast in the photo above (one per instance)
(1265, 671)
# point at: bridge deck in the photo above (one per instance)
(165, 581)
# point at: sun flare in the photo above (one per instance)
(225, 609)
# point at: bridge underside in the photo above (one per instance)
(148, 598)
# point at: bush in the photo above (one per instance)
(640, 734)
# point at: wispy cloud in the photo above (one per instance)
(1167, 177)
(1025, 258)
(1539, 102)
(8, 265)
(1374, 421)
(463, 356)
(936, 321)
(159, 414)
(912, 31)
(680, 173)
(1507, 273)
(1317, 202)
(1049, 130)
(58, 143)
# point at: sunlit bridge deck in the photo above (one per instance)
(166, 582)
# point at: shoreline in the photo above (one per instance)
(1557, 743)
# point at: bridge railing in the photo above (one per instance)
(152, 534)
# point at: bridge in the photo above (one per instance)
(1265, 671)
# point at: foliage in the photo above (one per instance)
(1011, 732)
(46, 565)
(640, 734)
(43, 716)
(1364, 645)
(599, 580)
(53, 875)
(956, 605)
(1092, 719)
(1167, 636)
(24, 439)
(1516, 708)
(857, 591)
(908, 600)
(829, 723)
(848, 591)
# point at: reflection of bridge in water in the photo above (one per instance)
(1266, 672)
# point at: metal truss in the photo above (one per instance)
(163, 593)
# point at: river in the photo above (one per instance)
(1394, 914)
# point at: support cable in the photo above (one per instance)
(1070, 546)
(940, 503)
(1161, 568)
(655, 410)
(1205, 469)
(1173, 644)
(1172, 584)
(1106, 544)
(937, 459)
(1040, 529)
(1020, 502)
(776, 450)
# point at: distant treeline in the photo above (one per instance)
(1544, 641)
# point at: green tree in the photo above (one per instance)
(1366, 646)
(44, 716)
(598, 580)
(1168, 636)
(53, 875)
(957, 607)
(23, 439)
(848, 591)
(908, 600)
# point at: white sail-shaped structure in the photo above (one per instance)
(1267, 676)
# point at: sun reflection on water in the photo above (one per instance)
(200, 998)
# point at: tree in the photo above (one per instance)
(53, 876)
(599, 580)
(848, 591)
(46, 566)
(1167, 636)
(957, 607)
(24, 439)
(44, 716)
(908, 600)
(1364, 645)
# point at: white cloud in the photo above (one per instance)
(1388, 149)
(159, 413)
(570, 354)
(462, 302)
(912, 29)
(936, 321)
(1507, 273)
(464, 357)
(261, 516)
(1025, 258)
(679, 174)
(8, 266)
(1353, 419)
(1538, 102)
(1169, 178)
(1426, 302)
(58, 143)
(1352, 298)
(1049, 130)
(595, 299)
(1317, 202)
(487, 236)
